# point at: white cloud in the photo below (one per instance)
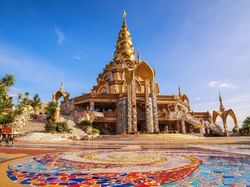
(221, 84)
(197, 98)
(213, 83)
(28, 68)
(60, 35)
(76, 57)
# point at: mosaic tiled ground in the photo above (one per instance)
(132, 168)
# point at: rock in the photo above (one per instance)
(76, 132)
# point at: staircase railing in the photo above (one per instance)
(215, 128)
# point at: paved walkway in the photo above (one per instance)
(21, 149)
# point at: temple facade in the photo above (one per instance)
(128, 97)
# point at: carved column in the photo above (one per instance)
(154, 105)
(148, 109)
(134, 108)
(183, 126)
(121, 106)
(129, 108)
(57, 114)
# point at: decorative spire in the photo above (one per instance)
(138, 57)
(221, 103)
(124, 15)
(124, 44)
(179, 91)
(62, 87)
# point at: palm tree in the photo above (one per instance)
(36, 102)
(6, 114)
(26, 94)
(25, 99)
(20, 97)
(7, 81)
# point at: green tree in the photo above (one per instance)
(5, 100)
(51, 125)
(36, 102)
(51, 109)
(19, 97)
(246, 124)
(6, 113)
(7, 81)
(26, 100)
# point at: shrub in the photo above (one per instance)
(8, 118)
(85, 124)
(234, 130)
(95, 131)
(57, 127)
(62, 127)
(50, 126)
(4, 119)
(51, 110)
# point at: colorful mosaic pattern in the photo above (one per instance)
(135, 168)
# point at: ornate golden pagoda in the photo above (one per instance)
(127, 95)
(124, 44)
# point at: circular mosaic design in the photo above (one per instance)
(115, 158)
(135, 168)
(102, 168)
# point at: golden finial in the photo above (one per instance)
(124, 14)
(179, 90)
(221, 103)
(62, 87)
(138, 57)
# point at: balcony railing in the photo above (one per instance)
(163, 115)
(109, 114)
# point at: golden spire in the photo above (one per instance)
(124, 44)
(62, 87)
(221, 103)
(124, 14)
(138, 57)
(179, 91)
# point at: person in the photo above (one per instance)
(7, 135)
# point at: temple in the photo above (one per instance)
(128, 97)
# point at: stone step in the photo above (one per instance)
(151, 136)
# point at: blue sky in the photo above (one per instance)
(202, 45)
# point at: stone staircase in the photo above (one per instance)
(216, 130)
